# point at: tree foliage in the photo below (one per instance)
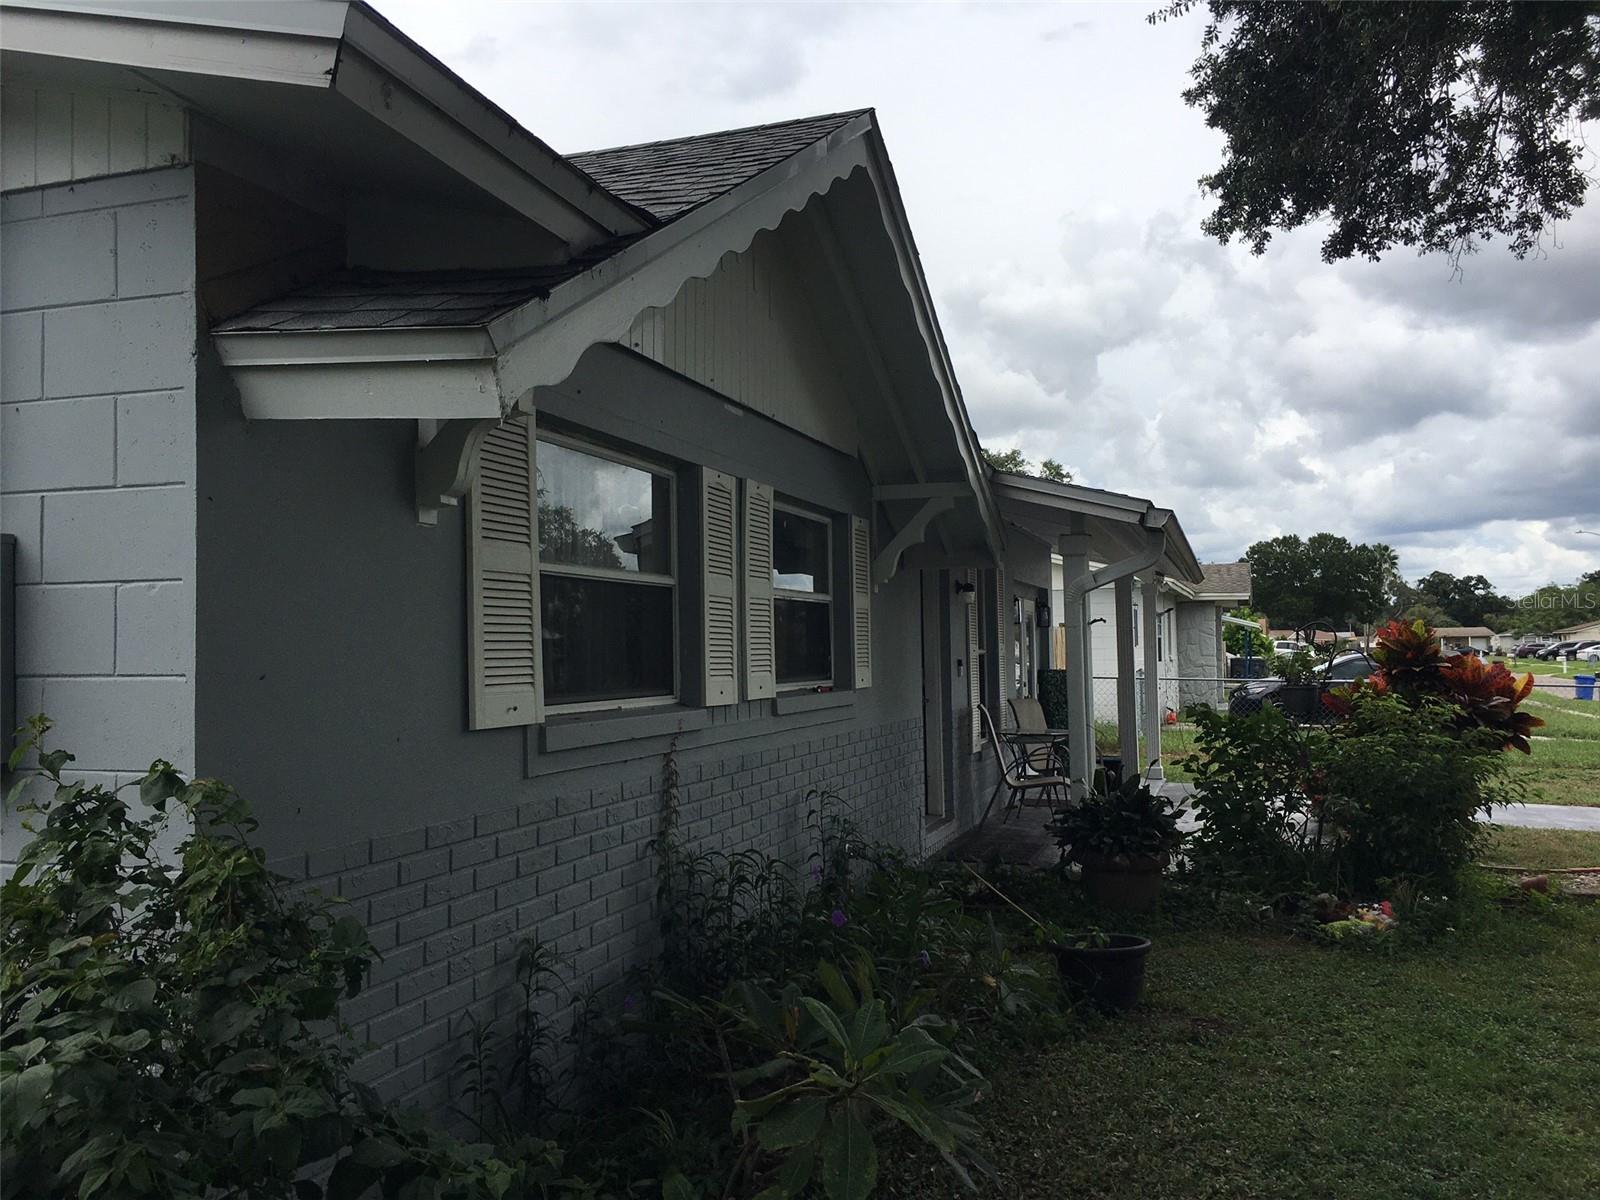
(1429, 125)
(1440, 598)
(1322, 578)
(1015, 462)
(1237, 638)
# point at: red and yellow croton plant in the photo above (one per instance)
(1412, 665)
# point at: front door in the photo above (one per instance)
(1025, 644)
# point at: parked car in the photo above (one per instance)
(1553, 651)
(1344, 669)
(1586, 652)
(1285, 646)
(1527, 649)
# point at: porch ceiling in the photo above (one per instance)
(1115, 523)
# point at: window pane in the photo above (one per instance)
(597, 513)
(604, 639)
(799, 553)
(805, 640)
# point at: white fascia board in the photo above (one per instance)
(916, 284)
(105, 35)
(362, 374)
(540, 342)
(489, 130)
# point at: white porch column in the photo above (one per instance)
(1152, 684)
(1127, 698)
(1074, 545)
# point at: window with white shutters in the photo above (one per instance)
(861, 600)
(719, 588)
(503, 573)
(760, 647)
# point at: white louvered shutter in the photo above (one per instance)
(974, 666)
(719, 586)
(861, 600)
(503, 575)
(1002, 650)
(760, 645)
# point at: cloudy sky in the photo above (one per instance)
(1048, 165)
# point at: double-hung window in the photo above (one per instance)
(802, 597)
(607, 582)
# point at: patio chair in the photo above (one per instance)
(1040, 758)
(1015, 777)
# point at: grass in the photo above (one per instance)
(1542, 849)
(1564, 767)
(1264, 1066)
(1539, 666)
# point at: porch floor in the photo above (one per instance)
(1023, 842)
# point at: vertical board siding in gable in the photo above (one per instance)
(53, 136)
(748, 332)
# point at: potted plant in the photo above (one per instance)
(1107, 969)
(1123, 841)
(1300, 696)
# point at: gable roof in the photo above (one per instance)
(669, 178)
(1225, 579)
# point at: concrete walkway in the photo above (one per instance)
(1550, 816)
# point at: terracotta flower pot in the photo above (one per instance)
(1130, 883)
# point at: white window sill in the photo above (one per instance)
(574, 731)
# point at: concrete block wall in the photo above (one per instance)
(449, 905)
(97, 465)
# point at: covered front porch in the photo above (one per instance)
(1105, 538)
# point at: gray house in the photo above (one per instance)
(430, 486)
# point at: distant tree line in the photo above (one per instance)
(1329, 579)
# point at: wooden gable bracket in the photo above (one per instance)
(445, 453)
(888, 560)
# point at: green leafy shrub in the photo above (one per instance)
(1130, 822)
(1251, 776)
(1403, 786)
(171, 1029)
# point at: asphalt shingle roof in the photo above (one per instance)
(665, 179)
(669, 178)
(1228, 579)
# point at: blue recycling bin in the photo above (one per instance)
(1583, 687)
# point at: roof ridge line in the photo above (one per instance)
(844, 114)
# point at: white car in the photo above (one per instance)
(1585, 652)
(1285, 646)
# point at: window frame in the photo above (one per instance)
(824, 598)
(600, 450)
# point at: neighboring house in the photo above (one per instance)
(1190, 654)
(432, 488)
(1577, 633)
(1478, 637)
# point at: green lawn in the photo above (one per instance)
(1263, 1066)
(1539, 667)
(1564, 767)
(1542, 849)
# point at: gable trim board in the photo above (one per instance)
(350, 52)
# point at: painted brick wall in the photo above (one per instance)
(449, 905)
(97, 464)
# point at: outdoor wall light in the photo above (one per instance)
(967, 593)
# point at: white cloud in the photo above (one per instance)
(1048, 166)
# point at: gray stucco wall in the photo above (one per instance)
(97, 465)
(331, 677)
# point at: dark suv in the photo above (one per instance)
(1301, 703)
